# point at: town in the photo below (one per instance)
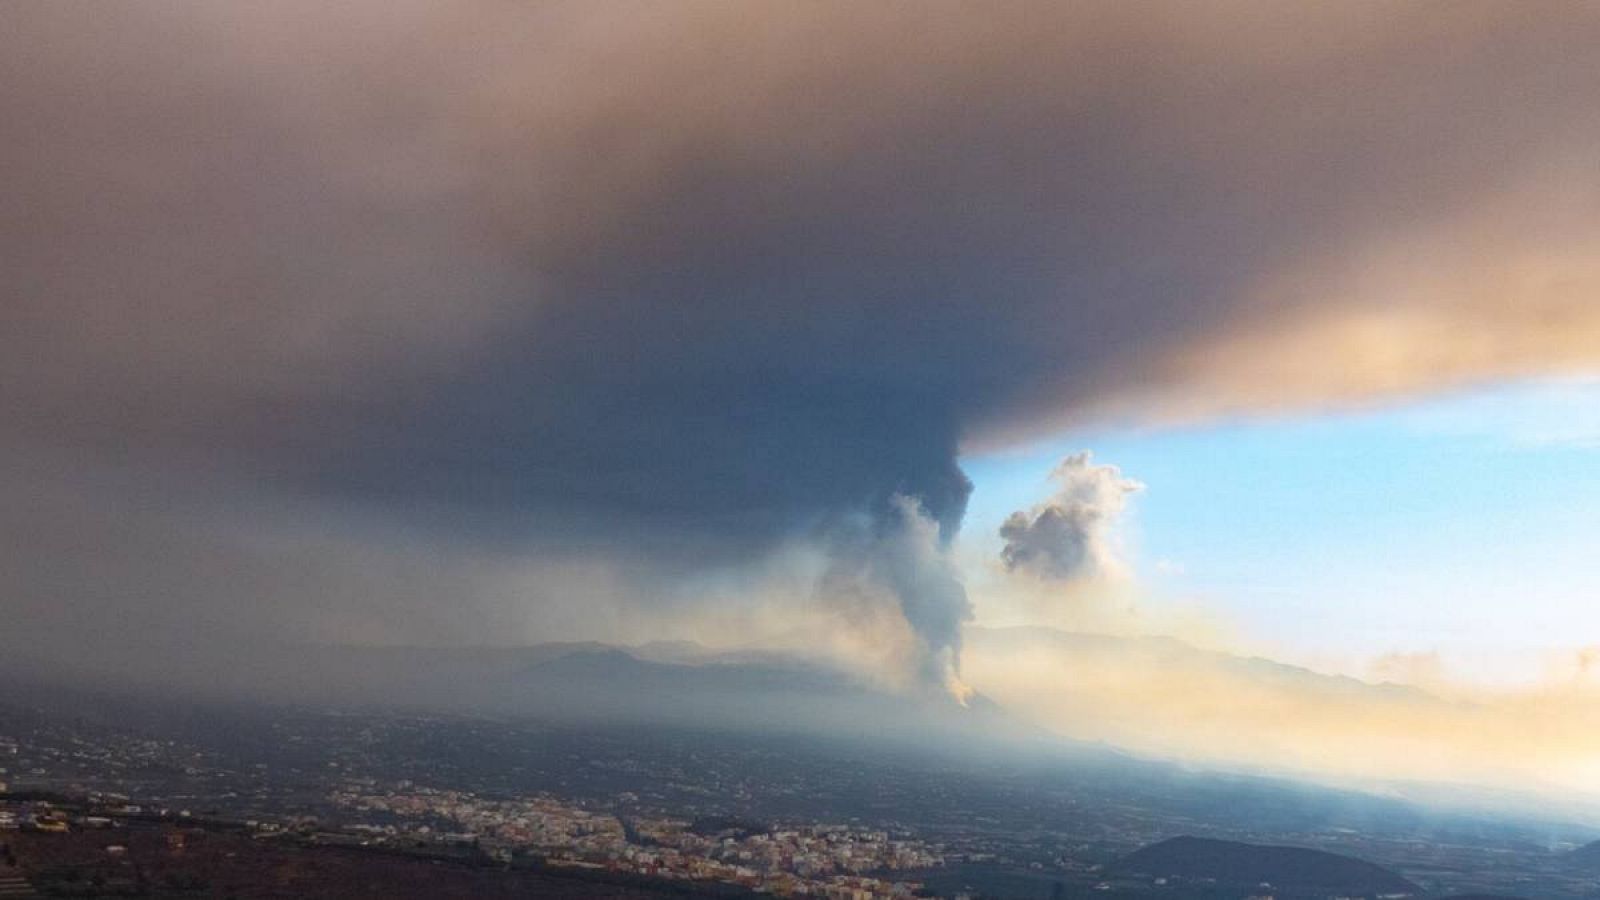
(796, 860)
(702, 810)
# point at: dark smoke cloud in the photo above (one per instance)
(1066, 536)
(679, 282)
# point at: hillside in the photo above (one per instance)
(1288, 869)
(1586, 858)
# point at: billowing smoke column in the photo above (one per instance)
(671, 285)
(890, 578)
(913, 560)
(1065, 537)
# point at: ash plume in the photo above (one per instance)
(915, 562)
(1066, 536)
(672, 285)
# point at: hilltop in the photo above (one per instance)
(1288, 869)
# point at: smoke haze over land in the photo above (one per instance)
(487, 322)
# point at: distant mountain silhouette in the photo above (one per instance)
(1174, 655)
(769, 694)
(1289, 869)
(677, 684)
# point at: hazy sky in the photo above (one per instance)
(496, 322)
(1459, 525)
